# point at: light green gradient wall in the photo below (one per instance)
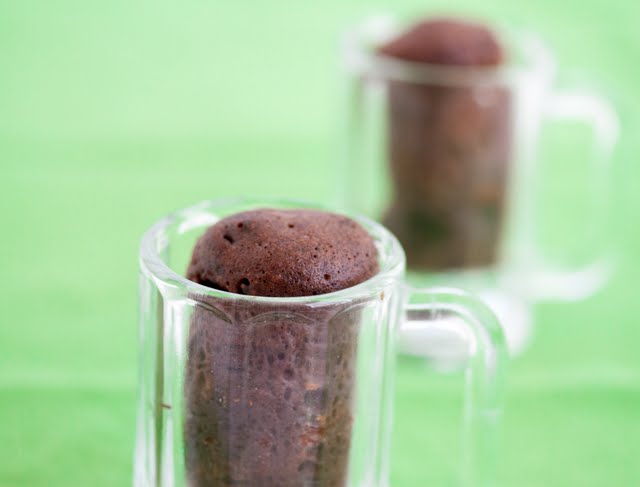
(113, 113)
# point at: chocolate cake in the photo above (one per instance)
(268, 386)
(449, 148)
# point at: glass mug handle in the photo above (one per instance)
(593, 110)
(439, 314)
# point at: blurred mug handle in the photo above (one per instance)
(578, 283)
(451, 321)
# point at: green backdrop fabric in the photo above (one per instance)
(115, 113)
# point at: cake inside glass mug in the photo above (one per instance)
(269, 386)
(449, 148)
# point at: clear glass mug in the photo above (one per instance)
(260, 391)
(447, 157)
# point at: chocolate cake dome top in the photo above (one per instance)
(446, 41)
(283, 253)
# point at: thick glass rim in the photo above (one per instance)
(528, 55)
(203, 214)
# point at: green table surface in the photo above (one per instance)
(114, 113)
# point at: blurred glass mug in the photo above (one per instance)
(262, 391)
(446, 156)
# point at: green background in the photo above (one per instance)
(114, 113)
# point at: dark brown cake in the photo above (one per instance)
(449, 149)
(269, 388)
(283, 253)
(449, 42)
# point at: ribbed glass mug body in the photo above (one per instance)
(448, 158)
(250, 391)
